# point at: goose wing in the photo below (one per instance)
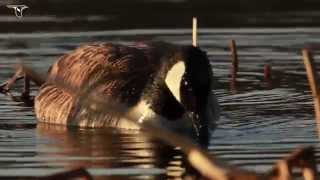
(115, 71)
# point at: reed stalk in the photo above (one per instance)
(235, 60)
(313, 81)
(194, 32)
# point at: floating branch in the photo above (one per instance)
(194, 32)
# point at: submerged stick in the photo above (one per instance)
(194, 32)
(235, 61)
(312, 78)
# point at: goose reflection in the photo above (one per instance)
(111, 151)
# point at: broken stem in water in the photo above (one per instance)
(235, 60)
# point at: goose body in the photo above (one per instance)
(161, 82)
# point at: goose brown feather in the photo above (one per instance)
(116, 71)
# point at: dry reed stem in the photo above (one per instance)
(235, 60)
(194, 32)
(313, 81)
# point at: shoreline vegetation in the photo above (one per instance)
(121, 14)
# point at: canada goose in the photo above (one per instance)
(167, 84)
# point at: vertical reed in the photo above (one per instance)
(234, 68)
(235, 61)
(26, 86)
(312, 78)
(194, 31)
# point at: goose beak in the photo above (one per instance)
(199, 120)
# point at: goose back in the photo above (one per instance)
(116, 71)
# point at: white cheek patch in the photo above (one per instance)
(174, 77)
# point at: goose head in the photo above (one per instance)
(190, 82)
(181, 93)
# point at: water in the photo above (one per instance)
(260, 123)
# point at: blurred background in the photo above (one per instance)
(123, 14)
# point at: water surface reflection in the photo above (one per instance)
(128, 152)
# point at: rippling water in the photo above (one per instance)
(260, 123)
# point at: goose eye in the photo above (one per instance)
(187, 95)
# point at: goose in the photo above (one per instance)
(165, 84)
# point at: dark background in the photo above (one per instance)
(126, 14)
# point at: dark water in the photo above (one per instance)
(260, 123)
